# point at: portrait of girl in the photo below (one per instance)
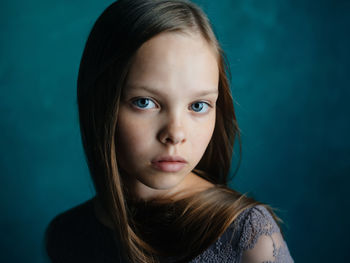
(158, 128)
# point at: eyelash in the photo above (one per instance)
(134, 102)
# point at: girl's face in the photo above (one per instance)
(167, 113)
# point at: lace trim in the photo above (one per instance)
(281, 255)
(243, 235)
(258, 222)
(221, 252)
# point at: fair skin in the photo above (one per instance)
(167, 109)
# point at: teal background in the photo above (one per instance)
(289, 62)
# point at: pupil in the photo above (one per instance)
(143, 102)
(197, 106)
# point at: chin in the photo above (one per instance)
(167, 185)
(165, 182)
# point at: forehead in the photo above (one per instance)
(175, 61)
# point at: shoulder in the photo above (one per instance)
(76, 235)
(237, 237)
(254, 222)
(260, 238)
(71, 222)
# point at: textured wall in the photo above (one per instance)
(288, 60)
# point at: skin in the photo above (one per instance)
(167, 107)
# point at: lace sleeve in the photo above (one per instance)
(261, 240)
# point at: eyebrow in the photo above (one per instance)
(149, 89)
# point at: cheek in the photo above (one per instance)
(133, 136)
(201, 137)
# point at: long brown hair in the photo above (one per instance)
(115, 37)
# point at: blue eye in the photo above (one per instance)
(144, 103)
(199, 106)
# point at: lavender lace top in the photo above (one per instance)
(77, 236)
(253, 237)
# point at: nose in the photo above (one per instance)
(172, 133)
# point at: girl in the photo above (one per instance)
(158, 128)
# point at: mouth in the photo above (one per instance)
(169, 163)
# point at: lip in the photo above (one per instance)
(169, 158)
(167, 163)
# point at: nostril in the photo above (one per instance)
(170, 140)
(171, 136)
